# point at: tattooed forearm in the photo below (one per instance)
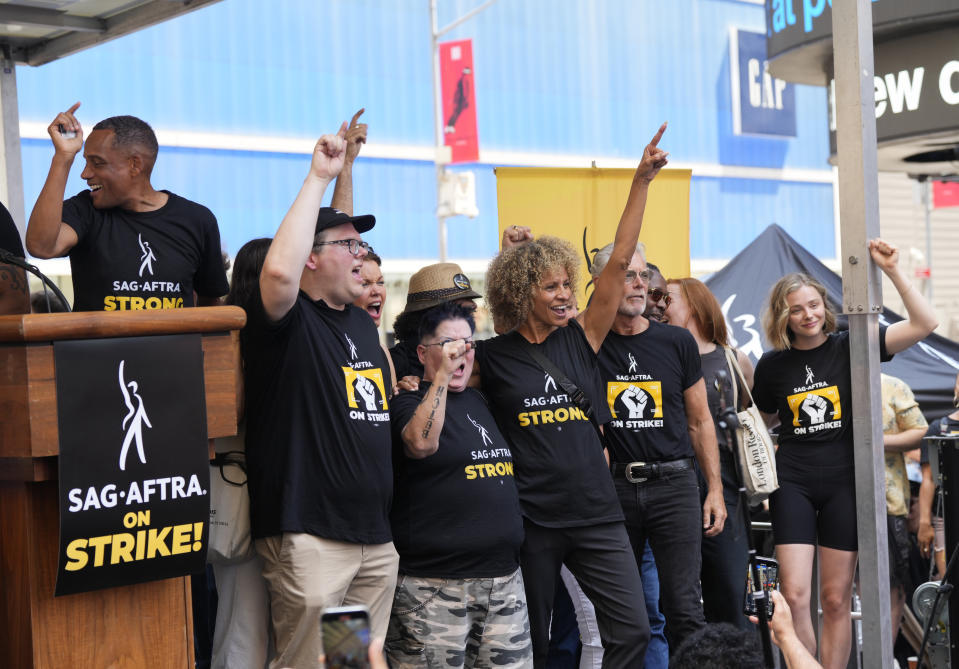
(14, 278)
(436, 403)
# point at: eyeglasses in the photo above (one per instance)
(232, 466)
(352, 245)
(645, 275)
(656, 295)
(468, 342)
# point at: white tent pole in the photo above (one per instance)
(11, 167)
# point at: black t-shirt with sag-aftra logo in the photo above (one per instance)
(129, 260)
(810, 391)
(645, 376)
(561, 473)
(455, 513)
(318, 424)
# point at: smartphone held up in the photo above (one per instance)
(346, 637)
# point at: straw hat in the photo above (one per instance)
(436, 284)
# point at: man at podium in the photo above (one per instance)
(131, 247)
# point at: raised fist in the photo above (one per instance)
(367, 392)
(815, 407)
(635, 401)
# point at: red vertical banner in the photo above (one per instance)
(945, 194)
(459, 100)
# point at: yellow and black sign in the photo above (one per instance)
(816, 409)
(640, 399)
(360, 385)
(134, 473)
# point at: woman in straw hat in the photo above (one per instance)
(571, 513)
(431, 286)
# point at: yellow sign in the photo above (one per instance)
(583, 206)
(636, 398)
(818, 406)
(361, 382)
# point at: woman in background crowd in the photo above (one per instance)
(241, 632)
(725, 555)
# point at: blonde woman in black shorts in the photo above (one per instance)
(806, 381)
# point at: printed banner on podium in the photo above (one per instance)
(459, 101)
(134, 469)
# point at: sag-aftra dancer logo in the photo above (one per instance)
(134, 420)
(146, 256)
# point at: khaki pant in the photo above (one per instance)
(306, 574)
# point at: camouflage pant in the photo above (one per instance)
(471, 622)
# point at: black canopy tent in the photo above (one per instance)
(742, 288)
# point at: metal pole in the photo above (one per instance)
(927, 200)
(862, 301)
(11, 166)
(438, 125)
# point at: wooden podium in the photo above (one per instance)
(143, 625)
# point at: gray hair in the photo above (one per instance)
(602, 258)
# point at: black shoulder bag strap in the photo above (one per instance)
(570, 388)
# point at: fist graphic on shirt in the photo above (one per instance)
(367, 392)
(815, 407)
(635, 401)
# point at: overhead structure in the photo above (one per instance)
(36, 32)
(915, 82)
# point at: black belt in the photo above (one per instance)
(638, 472)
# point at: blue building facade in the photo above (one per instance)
(556, 81)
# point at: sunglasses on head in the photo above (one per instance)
(656, 295)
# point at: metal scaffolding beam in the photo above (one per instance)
(862, 301)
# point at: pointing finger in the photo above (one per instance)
(659, 135)
(76, 106)
(356, 116)
(342, 131)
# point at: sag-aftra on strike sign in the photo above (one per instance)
(134, 470)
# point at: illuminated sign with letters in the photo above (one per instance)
(761, 103)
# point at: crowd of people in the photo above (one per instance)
(460, 489)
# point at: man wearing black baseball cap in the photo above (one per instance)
(318, 432)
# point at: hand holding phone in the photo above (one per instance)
(769, 577)
(346, 637)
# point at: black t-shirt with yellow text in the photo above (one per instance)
(318, 424)
(455, 513)
(811, 392)
(126, 260)
(561, 472)
(645, 376)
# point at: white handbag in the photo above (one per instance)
(230, 540)
(756, 453)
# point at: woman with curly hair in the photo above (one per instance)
(571, 513)
(805, 380)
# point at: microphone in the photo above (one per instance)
(11, 259)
